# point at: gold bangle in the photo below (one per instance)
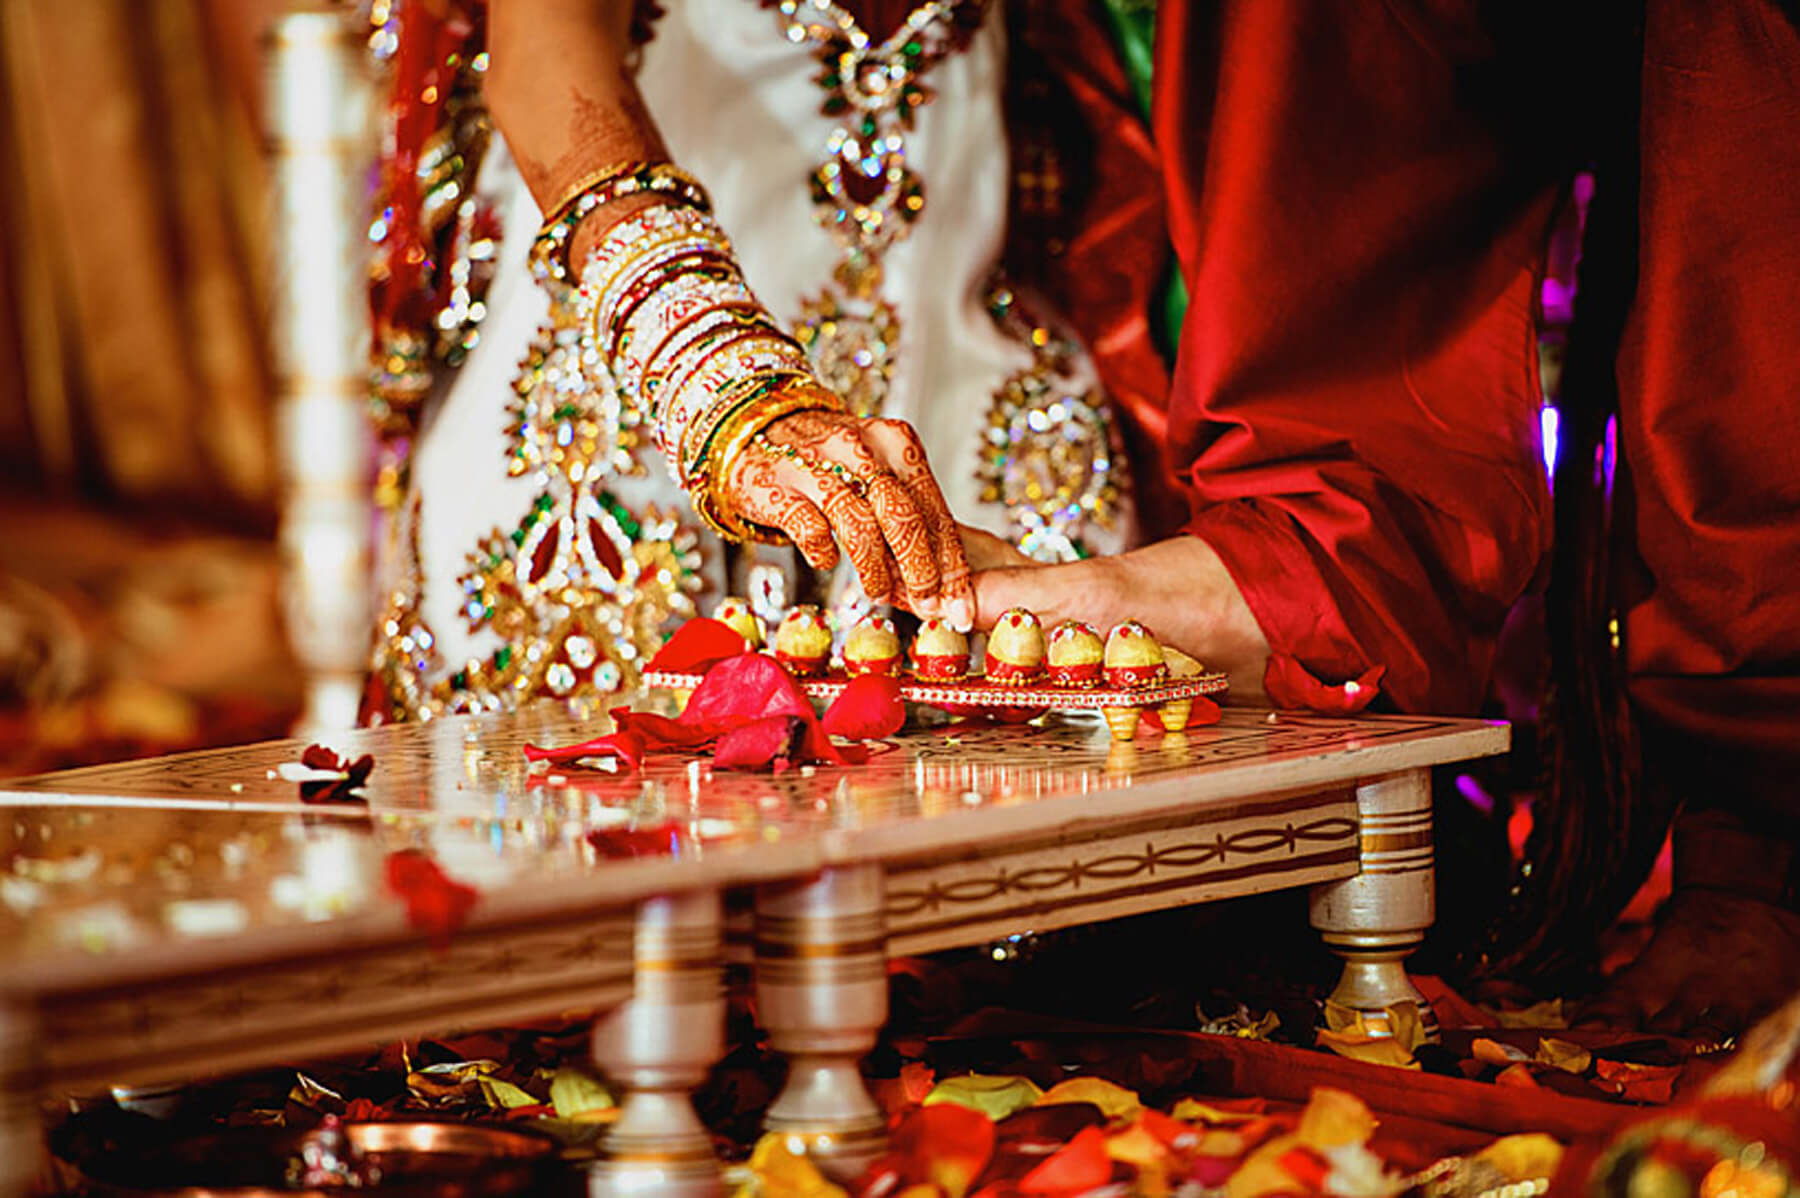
(733, 432)
(732, 429)
(598, 177)
(549, 256)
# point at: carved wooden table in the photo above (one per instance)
(187, 915)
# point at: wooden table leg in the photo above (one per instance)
(659, 1045)
(1375, 920)
(821, 991)
(21, 1139)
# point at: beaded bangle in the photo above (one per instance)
(645, 337)
(598, 177)
(641, 230)
(692, 338)
(653, 255)
(652, 339)
(549, 257)
(694, 272)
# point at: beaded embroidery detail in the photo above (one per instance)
(1051, 455)
(864, 191)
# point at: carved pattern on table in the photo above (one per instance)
(1156, 864)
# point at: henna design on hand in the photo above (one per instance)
(758, 490)
(901, 552)
(866, 485)
(860, 535)
(899, 445)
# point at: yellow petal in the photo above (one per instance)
(504, 1095)
(994, 1095)
(575, 1095)
(1135, 1146)
(1115, 1102)
(786, 1174)
(1524, 1157)
(1261, 1173)
(1335, 1117)
(1564, 1055)
(1193, 1111)
(1399, 1021)
(1376, 1050)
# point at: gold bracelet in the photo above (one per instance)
(738, 430)
(549, 257)
(735, 431)
(728, 424)
(598, 177)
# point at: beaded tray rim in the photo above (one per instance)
(974, 691)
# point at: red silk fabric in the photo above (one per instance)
(1710, 421)
(1354, 400)
(1361, 226)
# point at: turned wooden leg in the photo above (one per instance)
(658, 1046)
(21, 1140)
(1376, 919)
(821, 989)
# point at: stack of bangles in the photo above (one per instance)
(662, 305)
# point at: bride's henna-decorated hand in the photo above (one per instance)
(837, 482)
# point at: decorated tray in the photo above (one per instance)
(1022, 669)
(976, 691)
(1171, 699)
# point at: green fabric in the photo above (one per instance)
(1133, 24)
(1134, 36)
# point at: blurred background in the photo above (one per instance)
(139, 590)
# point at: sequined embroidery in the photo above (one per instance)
(1051, 456)
(864, 191)
(580, 591)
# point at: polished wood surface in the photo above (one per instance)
(206, 860)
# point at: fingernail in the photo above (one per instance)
(960, 614)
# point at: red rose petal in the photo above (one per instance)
(436, 903)
(334, 790)
(1204, 712)
(624, 744)
(869, 709)
(318, 757)
(622, 843)
(1210, 1171)
(1306, 1167)
(698, 645)
(1289, 684)
(742, 688)
(736, 692)
(1079, 1166)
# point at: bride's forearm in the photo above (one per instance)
(559, 89)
